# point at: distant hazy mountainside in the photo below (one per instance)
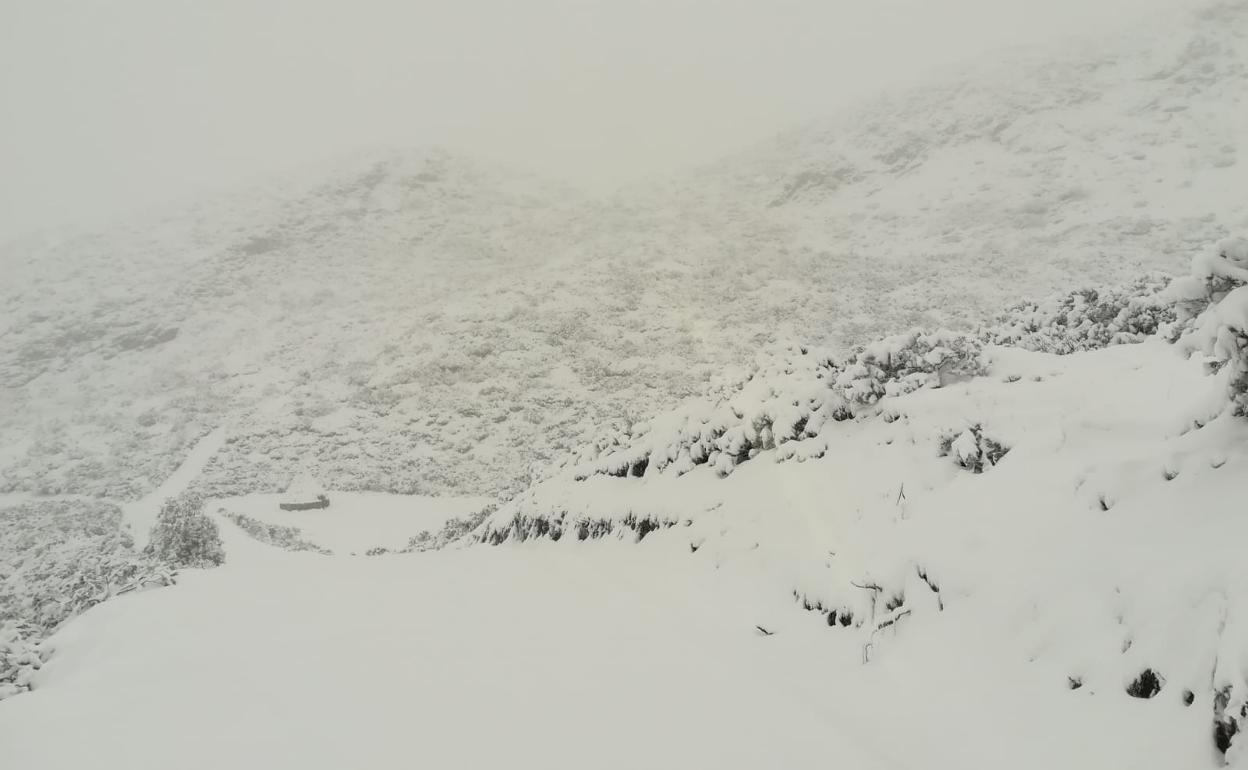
(291, 318)
(419, 322)
(1020, 177)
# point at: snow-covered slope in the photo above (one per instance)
(1080, 602)
(1013, 178)
(1104, 545)
(1080, 515)
(319, 321)
(420, 323)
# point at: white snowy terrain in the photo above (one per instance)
(877, 604)
(825, 454)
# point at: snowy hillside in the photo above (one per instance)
(421, 323)
(986, 554)
(1017, 178)
(1038, 522)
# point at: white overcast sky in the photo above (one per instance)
(107, 106)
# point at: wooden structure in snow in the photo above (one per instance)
(304, 494)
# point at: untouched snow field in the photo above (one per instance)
(605, 656)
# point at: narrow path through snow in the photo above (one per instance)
(141, 514)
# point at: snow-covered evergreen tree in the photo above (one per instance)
(184, 536)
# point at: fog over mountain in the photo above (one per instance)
(105, 108)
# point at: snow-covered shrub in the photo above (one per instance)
(184, 536)
(791, 395)
(20, 658)
(972, 449)
(788, 396)
(57, 560)
(906, 362)
(286, 538)
(452, 530)
(1087, 319)
(1215, 299)
(1230, 718)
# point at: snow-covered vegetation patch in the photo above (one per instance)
(58, 558)
(454, 530)
(20, 657)
(521, 528)
(285, 537)
(1088, 319)
(796, 393)
(970, 448)
(1215, 298)
(792, 395)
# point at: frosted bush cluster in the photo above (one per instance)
(1087, 319)
(791, 395)
(58, 559)
(286, 538)
(1215, 300)
(972, 449)
(20, 658)
(453, 529)
(906, 362)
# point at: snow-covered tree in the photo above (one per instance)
(184, 536)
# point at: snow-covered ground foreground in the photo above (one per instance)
(356, 522)
(604, 656)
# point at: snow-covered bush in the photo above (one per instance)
(1087, 319)
(286, 538)
(58, 559)
(452, 530)
(906, 362)
(788, 396)
(1215, 299)
(184, 536)
(972, 449)
(20, 658)
(791, 395)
